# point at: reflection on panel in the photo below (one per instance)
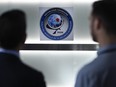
(59, 67)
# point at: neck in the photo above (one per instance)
(107, 41)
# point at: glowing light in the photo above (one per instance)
(47, 1)
(36, 41)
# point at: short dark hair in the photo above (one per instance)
(12, 28)
(106, 11)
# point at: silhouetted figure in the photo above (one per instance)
(102, 71)
(13, 73)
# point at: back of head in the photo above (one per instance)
(12, 29)
(105, 10)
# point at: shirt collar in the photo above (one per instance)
(13, 52)
(106, 49)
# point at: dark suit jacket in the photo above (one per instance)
(99, 73)
(13, 73)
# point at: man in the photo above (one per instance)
(13, 73)
(102, 71)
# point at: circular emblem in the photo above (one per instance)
(56, 24)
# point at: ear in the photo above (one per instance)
(21, 44)
(97, 23)
(24, 38)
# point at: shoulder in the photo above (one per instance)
(99, 65)
(95, 71)
(34, 77)
(31, 70)
(89, 73)
(94, 68)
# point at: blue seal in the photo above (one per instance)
(56, 24)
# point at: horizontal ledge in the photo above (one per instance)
(81, 47)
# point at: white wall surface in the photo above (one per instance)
(60, 68)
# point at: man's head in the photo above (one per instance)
(12, 29)
(103, 19)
